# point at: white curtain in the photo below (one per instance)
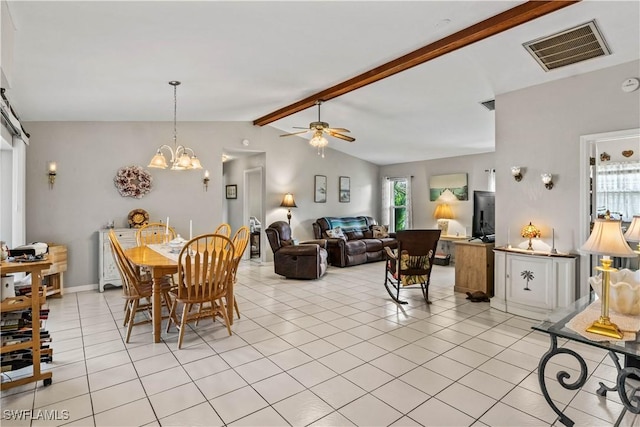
(409, 203)
(385, 187)
(618, 189)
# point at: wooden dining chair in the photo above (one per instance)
(136, 290)
(240, 241)
(154, 232)
(224, 229)
(205, 272)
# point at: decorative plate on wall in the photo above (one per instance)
(137, 218)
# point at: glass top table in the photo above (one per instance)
(555, 326)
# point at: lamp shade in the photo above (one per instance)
(443, 211)
(606, 239)
(530, 231)
(633, 232)
(288, 202)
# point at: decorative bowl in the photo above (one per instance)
(176, 244)
(624, 291)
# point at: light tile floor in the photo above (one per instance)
(329, 352)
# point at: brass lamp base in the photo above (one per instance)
(603, 326)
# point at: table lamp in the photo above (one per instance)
(633, 232)
(443, 213)
(606, 239)
(289, 203)
(530, 231)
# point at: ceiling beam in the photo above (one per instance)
(496, 24)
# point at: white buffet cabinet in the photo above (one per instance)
(107, 271)
(533, 284)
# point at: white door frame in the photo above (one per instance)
(245, 209)
(586, 143)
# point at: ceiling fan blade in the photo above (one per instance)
(339, 130)
(295, 133)
(300, 127)
(341, 136)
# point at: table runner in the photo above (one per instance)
(164, 250)
(629, 325)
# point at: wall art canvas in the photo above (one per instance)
(320, 189)
(456, 183)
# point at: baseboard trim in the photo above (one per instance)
(74, 289)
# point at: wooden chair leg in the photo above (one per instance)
(183, 324)
(223, 310)
(132, 314)
(172, 315)
(235, 305)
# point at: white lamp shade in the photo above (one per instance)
(443, 211)
(195, 163)
(158, 161)
(633, 232)
(606, 239)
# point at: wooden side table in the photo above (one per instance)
(474, 267)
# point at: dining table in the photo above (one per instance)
(160, 263)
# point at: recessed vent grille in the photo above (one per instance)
(489, 105)
(568, 47)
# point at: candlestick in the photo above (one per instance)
(190, 229)
(509, 237)
(166, 231)
(553, 241)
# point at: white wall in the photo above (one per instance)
(89, 154)
(475, 166)
(539, 128)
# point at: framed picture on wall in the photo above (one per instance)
(231, 191)
(344, 189)
(320, 189)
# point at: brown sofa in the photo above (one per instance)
(359, 246)
(306, 260)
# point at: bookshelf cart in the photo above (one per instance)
(23, 303)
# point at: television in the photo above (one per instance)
(484, 215)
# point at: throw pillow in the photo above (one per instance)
(380, 231)
(336, 233)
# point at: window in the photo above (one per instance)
(618, 189)
(399, 204)
(396, 203)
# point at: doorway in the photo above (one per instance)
(599, 149)
(253, 213)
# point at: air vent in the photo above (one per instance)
(489, 105)
(568, 47)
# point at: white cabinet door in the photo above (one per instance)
(530, 281)
(107, 270)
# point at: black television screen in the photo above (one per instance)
(484, 213)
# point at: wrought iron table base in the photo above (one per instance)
(631, 401)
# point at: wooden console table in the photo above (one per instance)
(53, 277)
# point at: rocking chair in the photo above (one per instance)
(411, 263)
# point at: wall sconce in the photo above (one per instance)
(52, 171)
(547, 179)
(515, 171)
(288, 202)
(205, 180)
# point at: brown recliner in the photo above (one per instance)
(307, 260)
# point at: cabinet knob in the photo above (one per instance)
(507, 276)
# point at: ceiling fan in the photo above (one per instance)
(320, 128)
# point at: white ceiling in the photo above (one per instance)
(111, 61)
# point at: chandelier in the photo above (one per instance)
(182, 158)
